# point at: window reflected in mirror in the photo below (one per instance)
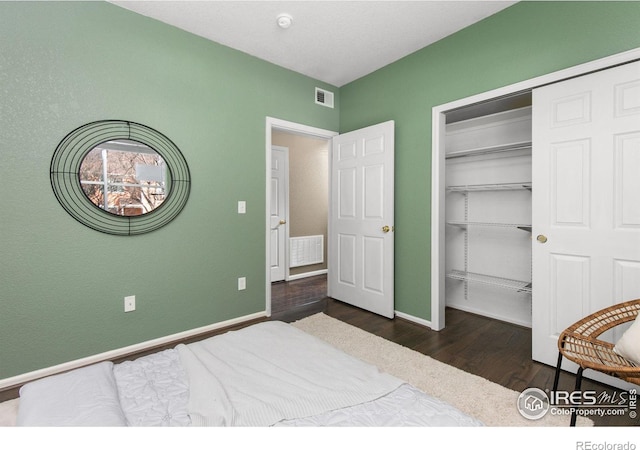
(124, 177)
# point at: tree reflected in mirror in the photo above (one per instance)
(124, 177)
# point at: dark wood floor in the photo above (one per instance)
(495, 350)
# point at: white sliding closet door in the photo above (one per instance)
(586, 201)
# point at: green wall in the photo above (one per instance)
(521, 42)
(64, 64)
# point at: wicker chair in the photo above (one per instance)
(579, 343)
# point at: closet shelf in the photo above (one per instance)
(524, 145)
(526, 185)
(520, 226)
(507, 283)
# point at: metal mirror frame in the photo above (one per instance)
(65, 180)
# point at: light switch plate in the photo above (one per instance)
(130, 303)
(242, 207)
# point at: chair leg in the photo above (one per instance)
(574, 415)
(557, 376)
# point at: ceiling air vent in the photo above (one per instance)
(324, 98)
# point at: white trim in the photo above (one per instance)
(299, 276)
(113, 354)
(480, 312)
(414, 319)
(290, 127)
(437, 224)
(437, 162)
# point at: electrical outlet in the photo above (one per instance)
(242, 207)
(242, 283)
(130, 303)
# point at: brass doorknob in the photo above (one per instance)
(282, 221)
(541, 238)
(386, 229)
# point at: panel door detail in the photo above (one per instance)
(361, 241)
(278, 213)
(586, 167)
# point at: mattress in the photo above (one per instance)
(406, 406)
(155, 390)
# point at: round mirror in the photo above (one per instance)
(120, 177)
(124, 177)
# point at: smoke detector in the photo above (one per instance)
(284, 21)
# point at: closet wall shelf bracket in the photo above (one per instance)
(511, 147)
(507, 283)
(525, 185)
(524, 227)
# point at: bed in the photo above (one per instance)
(268, 374)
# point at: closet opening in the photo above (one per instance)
(487, 208)
(447, 120)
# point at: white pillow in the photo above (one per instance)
(83, 397)
(629, 344)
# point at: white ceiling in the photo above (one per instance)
(332, 41)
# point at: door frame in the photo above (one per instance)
(293, 128)
(438, 113)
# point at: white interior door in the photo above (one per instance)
(361, 218)
(279, 212)
(586, 202)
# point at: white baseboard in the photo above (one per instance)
(299, 276)
(414, 319)
(113, 354)
(480, 312)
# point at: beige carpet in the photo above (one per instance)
(8, 413)
(489, 402)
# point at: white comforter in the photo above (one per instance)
(407, 406)
(272, 372)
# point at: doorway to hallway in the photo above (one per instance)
(293, 300)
